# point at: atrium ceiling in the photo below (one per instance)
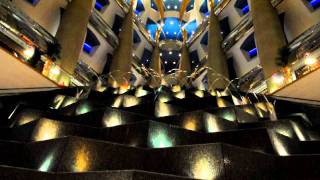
(172, 16)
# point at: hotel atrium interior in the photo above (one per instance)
(159, 89)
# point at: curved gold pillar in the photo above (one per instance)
(72, 32)
(269, 35)
(217, 61)
(121, 63)
(185, 63)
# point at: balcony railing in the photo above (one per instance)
(238, 32)
(23, 31)
(124, 6)
(23, 38)
(305, 54)
(103, 28)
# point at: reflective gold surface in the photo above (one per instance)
(211, 123)
(129, 101)
(164, 98)
(57, 102)
(206, 164)
(180, 95)
(278, 144)
(28, 116)
(163, 109)
(82, 159)
(203, 168)
(117, 102)
(190, 124)
(221, 102)
(45, 130)
(199, 93)
(140, 92)
(111, 119)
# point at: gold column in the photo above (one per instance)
(122, 59)
(269, 35)
(185, 65)
(217, 61)
(72, 32)
(156, 63)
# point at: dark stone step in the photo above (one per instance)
(103, 117)
(12, 173)
(147, 134)
(40, 99)
(205, 161)
(156, 109)
(108, 117)
(291, 127)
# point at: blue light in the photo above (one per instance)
(315, 3)
(171, 29)
(204, 7)
(140, 7)
(253, 52)
(98, 6)
(152, 27)
(191, 27)
(87, 48)
(245, 10)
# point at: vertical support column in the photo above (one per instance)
(217, 61)
(185, 65)
(269, 35)
(72, 32)
(122, 59)
(156, 63)
(156, 68)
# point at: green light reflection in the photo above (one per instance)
(46, 165)
(160, 139)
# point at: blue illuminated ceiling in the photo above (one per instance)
(172, 5)
(171, 29)
(151, 27)
(171, 25)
